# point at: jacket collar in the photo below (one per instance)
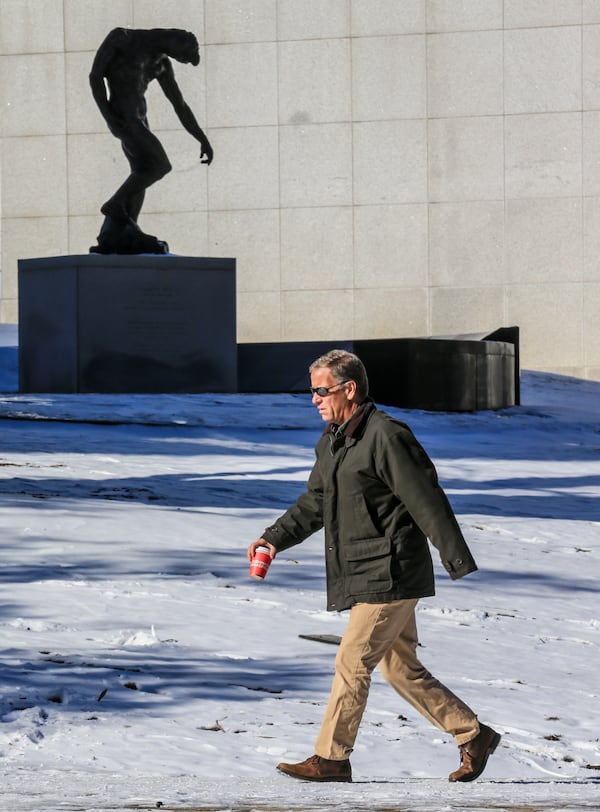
(353, 428)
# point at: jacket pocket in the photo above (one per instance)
(368, 566)
(359, 521)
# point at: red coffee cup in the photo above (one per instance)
(260, 563)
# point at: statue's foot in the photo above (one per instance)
(100, 249)
(118, 237)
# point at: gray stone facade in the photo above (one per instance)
(383, 168)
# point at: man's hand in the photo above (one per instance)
(260, 543)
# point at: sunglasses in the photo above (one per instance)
(323, 391)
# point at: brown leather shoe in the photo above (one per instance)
(316, 768)
(474, 754)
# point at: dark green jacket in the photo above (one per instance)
(375, 492)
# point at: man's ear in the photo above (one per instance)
(351, 390)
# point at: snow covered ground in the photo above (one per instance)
(141, 668)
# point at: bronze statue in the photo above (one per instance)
(124, 65)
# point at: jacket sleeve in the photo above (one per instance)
(412, 477)
(302, 519)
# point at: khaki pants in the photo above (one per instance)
(385, 633)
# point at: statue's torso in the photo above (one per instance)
(129, 73)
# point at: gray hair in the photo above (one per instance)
(345, 366)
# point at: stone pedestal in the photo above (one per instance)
(113, 323)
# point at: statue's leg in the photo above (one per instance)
(148, 162)
(120, 233)
(134, 205)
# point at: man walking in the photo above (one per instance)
(375, 492)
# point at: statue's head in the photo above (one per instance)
(182, 46)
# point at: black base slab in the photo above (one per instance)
(439, 374)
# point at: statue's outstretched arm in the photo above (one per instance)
(171, 90)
